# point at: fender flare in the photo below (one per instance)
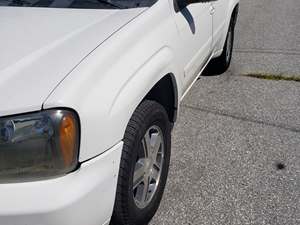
(141, 82)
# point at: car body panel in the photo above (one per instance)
(221, 20)
(37, 57)
(194, 24)
(85, 196)
(145, 60)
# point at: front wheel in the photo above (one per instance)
(144, 165)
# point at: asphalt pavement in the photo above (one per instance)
(236, 146)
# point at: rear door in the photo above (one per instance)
(194, 23)
(219, 22)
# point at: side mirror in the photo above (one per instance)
(181, 4)
(194, 1)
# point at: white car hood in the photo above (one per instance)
(39, 47)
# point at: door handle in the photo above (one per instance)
(212, 10)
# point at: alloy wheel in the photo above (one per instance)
(148, 167)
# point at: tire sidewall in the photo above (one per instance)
(230, 30)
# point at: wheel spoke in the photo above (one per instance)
(156, 145)
(153, 139)
(139, 173)
(147, 145)
(145, 189)
(154, 175)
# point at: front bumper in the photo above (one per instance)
(84, 197)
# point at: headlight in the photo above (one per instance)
(38, 145)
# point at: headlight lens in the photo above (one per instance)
(38, 145)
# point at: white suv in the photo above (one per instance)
(89, 91)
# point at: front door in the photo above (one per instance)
(194, 23)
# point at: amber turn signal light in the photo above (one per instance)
(68, 138)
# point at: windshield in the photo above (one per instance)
(82, 4)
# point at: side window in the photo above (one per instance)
(89, 4)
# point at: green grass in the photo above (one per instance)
(277, 77)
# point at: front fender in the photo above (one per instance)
(140, 83)
(106, 102)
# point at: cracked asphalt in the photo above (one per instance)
(236, 146)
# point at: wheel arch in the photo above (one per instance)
(233, 9)
(155, 80)
(165, 92)
(234, 13)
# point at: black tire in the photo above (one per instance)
(126, 212)
(221, 64)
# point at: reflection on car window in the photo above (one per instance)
(84, 4)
